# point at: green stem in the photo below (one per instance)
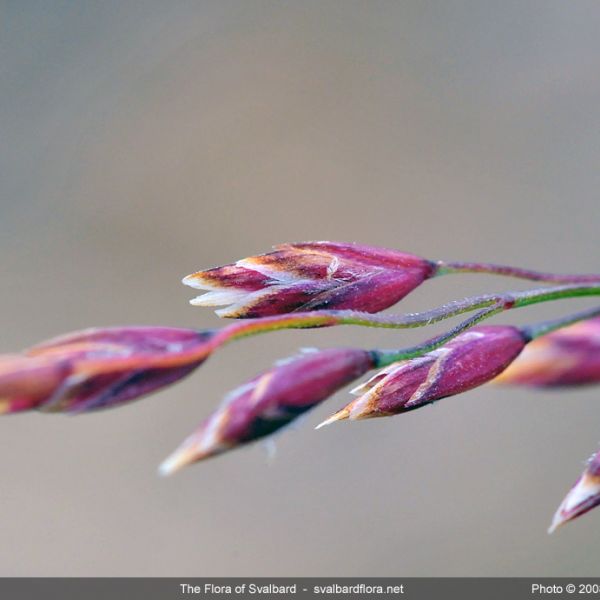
(539, 329)
(383, 358)
(325, 318)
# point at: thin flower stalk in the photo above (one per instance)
(481, 268)
(488, 304)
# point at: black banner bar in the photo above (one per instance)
(302, 588)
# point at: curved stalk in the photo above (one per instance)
(327, 318)
(495, 303)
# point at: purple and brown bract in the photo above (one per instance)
(583, 496)
(469, 360)
(270, 401)
(311, 276)
(566, 357)
(27, 382)
(98, 368)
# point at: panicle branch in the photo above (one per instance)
(314, 285)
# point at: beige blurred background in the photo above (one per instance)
(143, 140)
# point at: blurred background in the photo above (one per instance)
(145, 140)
